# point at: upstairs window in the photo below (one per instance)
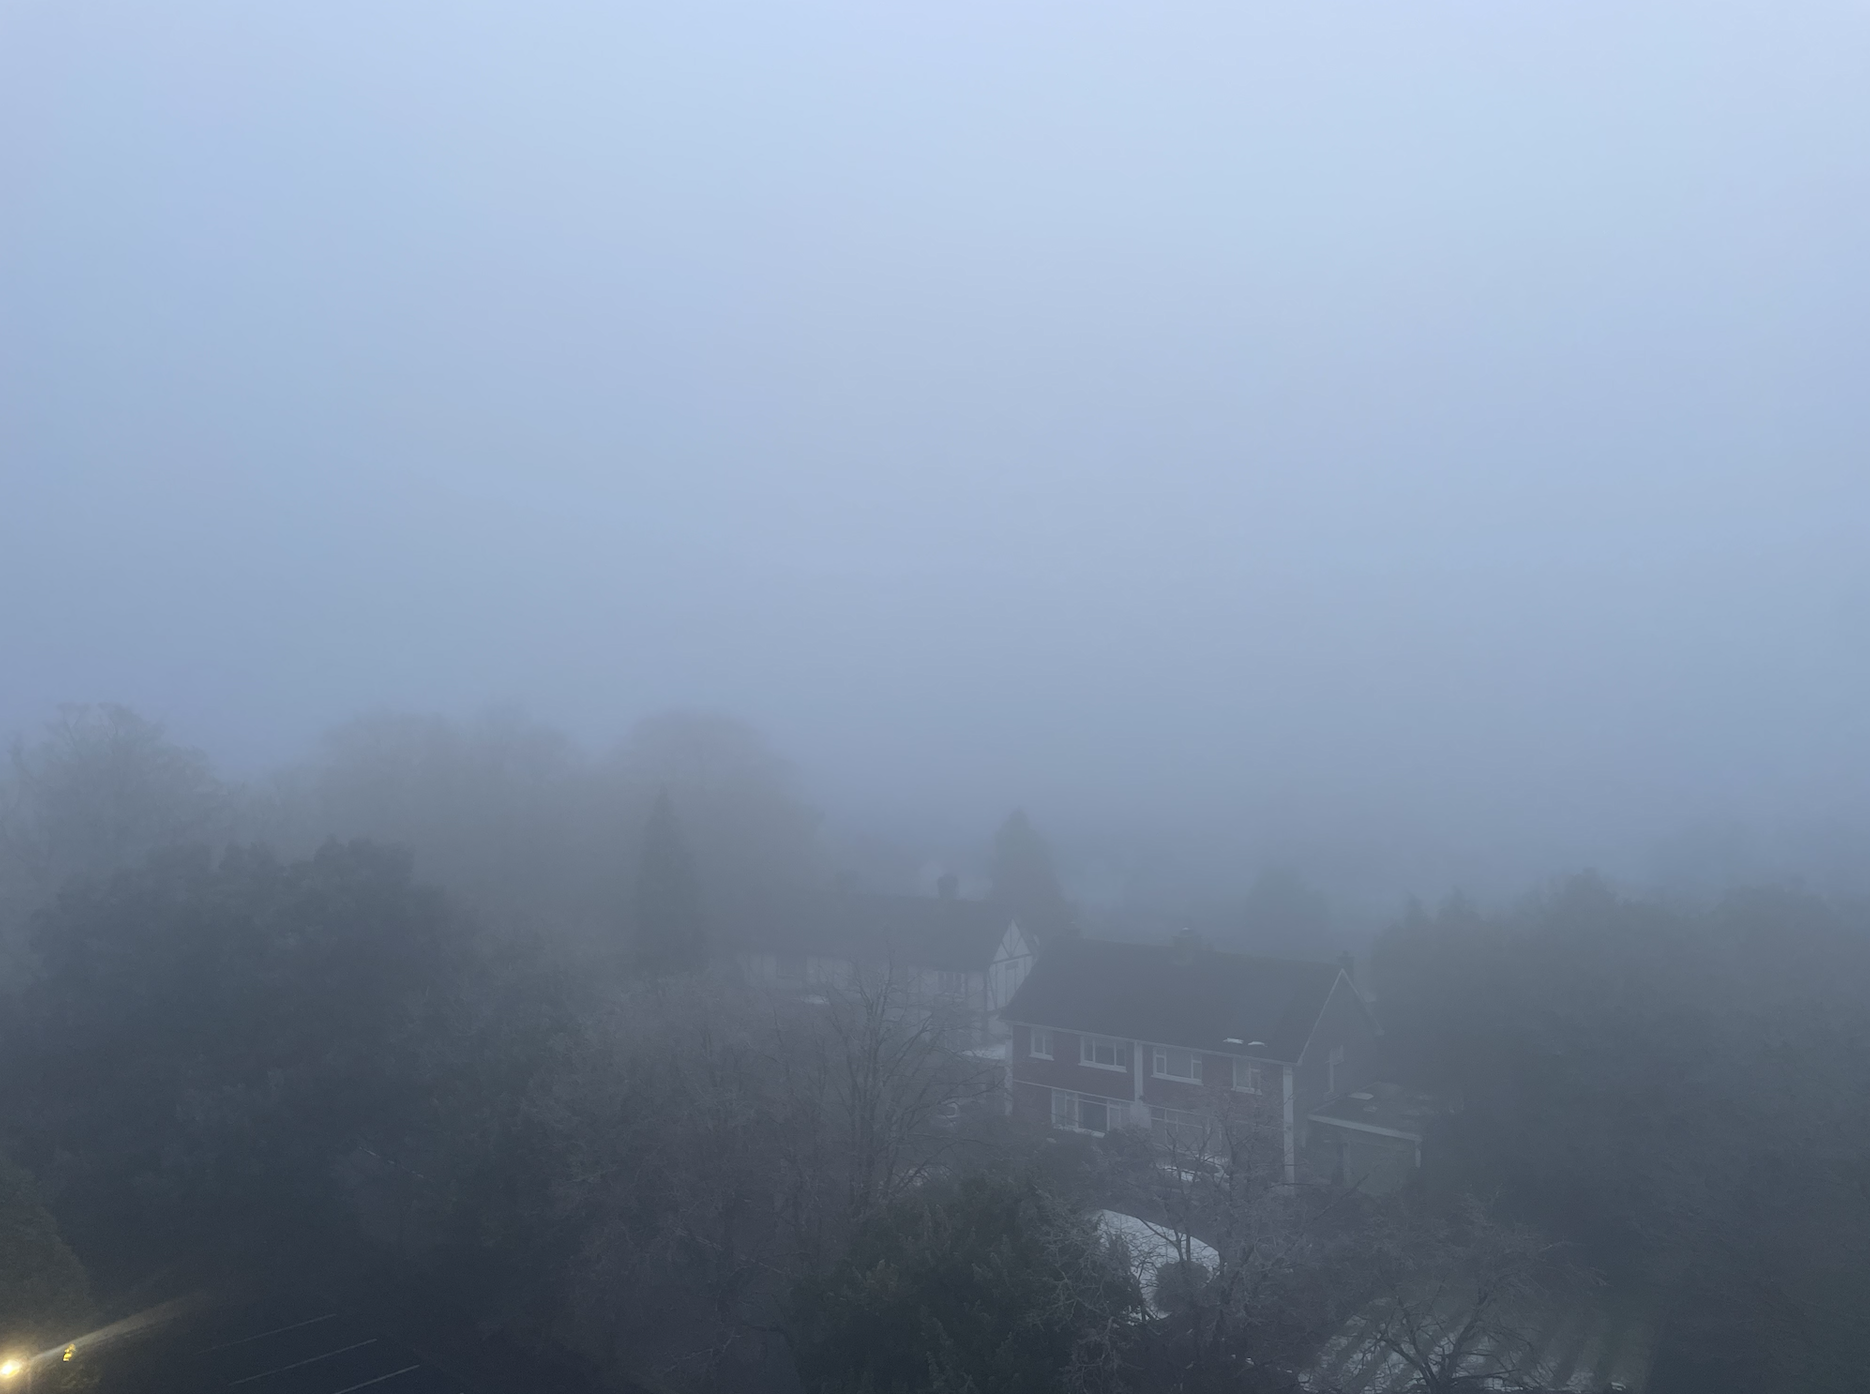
(1336, 1066)
(1171, 1063)
(1247, 1076)
(1041, 1045)
(1104, 1052)
(952, 984)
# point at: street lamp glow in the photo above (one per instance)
(9, 1367)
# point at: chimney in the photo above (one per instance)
(947, 884)
(1182, 950)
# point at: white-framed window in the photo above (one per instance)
(1105, 1052)
(951, 984)
(1086, 1113)
(1171, 1063)
(1248, 1076)
(1335, 1064)
(1181, 1127)
(1040, 1046)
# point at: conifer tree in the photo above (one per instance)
(1024, 878)
(669, 935)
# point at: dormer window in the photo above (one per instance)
(1040, 1047)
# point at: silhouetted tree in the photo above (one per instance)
(983, 1284)
(1677, 1091)
(99, 790)
(206, 1039)
(742, 819)
(1263, 1272)
(498, 810)
(1025, 879)
(1462, 1299)
(669, 932)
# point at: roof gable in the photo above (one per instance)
(1206, 999)
(1015, 943)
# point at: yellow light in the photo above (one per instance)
(71, 1350)
(8, 1368)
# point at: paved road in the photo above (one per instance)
(264, 1346)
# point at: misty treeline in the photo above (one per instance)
(507, 815)
(443, 1002)
(1685, 1092)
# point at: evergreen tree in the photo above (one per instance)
(669, 936)
(1024, 879)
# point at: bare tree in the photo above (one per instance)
(1464, 1298)
(709, 1145)
(874, 1075)
(1258, 1276)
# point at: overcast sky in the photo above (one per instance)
(1447, 423)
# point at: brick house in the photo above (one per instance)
(1107, 1035)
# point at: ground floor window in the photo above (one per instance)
(1086, 1113)
(1180, 1127)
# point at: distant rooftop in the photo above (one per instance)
(1193, 996)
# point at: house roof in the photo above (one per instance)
(1165, 994)
(1384, 1108)
(915, 931)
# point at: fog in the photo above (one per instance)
(832, 698)
(1425, 443)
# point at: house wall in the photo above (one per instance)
(1034, 1077)
(1345, 1021)
(1373, 1162)
(1065, 1071)
(1011, 963)
(1217, 1071)
(799, 969)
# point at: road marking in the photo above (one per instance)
(229, 1345)
(378, 1380)
(248, 1379)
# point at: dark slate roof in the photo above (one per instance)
(915, 931)
(1171, 996)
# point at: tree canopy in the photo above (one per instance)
(208, 1035)
(987, 1284)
